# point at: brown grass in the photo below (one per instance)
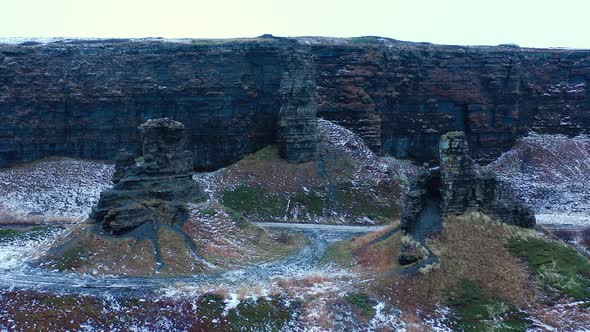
(382, 256)
(266, 169)
(362, 241)
(9, 218)
(469, 248)
(301, 283)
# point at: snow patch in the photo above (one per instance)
(54, 188)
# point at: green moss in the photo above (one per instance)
(363, 40)
(34, 233)
(340, 252)
(209, 212)
(260, 315)
(211, 305)
(9, 234)
(71, 258)
(363, 303)
(361, 204)
(270, 152)
(366, 207)
(254, 201)
(311, 200)
(563, 271)
(478, 311)
(239, 219)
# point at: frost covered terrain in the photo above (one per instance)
(348, 184)
(52, 189)
(552, 174)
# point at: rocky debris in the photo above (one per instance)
(52, 190)
(154, 188)
(85, 99)
(298, 123)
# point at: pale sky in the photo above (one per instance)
(533, 23)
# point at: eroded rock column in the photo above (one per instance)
(298, 136)
(153, 188)
(465, 188)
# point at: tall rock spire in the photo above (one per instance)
(153, 188)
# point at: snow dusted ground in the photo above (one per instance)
(15, 252)
(552, 174)
(52, 189)
(346, 169)
(371, 168)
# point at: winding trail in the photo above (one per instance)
(24, 276)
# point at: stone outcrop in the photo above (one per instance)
(464, 187)
(457, 186)
(425, 186)
(298, 135)
(124, 160)
(153, 188)
(86, 98)
(401, 97)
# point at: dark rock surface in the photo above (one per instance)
(464, 187)
(85, 98)
(401, 97)
(298, 124)
(423, 205)
(124, 160)
(154, 188)
(457, 186)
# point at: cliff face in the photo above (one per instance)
(86, 98)
(400, 97)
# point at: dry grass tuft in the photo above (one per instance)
(364, 240)
(469, 247)
(306, 282)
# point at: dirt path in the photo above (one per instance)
(24, 276)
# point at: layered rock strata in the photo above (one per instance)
(85, 99)
(298, 135)
(457, 186)
(465, 188)
(153, 188)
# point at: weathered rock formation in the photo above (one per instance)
(298, 124)
(464, 187)
(153, 188)
(85, 98)
(457, 186)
